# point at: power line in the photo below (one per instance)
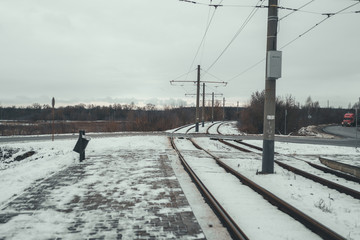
(215, 5)
(212, 75)
(203, 45)
(328, 15)
(295, 10)
(185, 74)
(246, 70)
(205, 33)
(247, 20)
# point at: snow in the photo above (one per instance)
(230, 128)
(121, 176)
(50, 157)
(128, 165)
(257, 218)
(337, 211)
(209, 222)
(313, 132)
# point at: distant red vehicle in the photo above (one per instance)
(349, 120)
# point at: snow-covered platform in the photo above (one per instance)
(130, 192)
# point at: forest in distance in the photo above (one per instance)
(37, 119)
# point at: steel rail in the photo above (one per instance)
(249, 145)
(337, 173)
(234, 146)
(323, 181)
(179, 128)
(207, 130)
(217, 129)
(320, 180)
(224, 217)
(187, 131)
(318, 228)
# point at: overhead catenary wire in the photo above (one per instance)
(295, 10)
(203, 38)
(242, 27)
(204, 42)
(212, 75)
(262, 60)
(185, 74)
(215, 5)
(328, 15)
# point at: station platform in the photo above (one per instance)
(122, 195)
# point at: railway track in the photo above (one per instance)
(325, 182)
(217, 128)
(307, 221)
(224, 217)
(193, 126)
(324, 169)
(182, 127)
(208, 129)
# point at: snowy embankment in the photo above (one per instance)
(314, 131)
(16, 176)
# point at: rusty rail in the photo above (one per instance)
(217, 129)
(315, 178)
(207, 130)
(318, 228)
(320, 180)
(331, 171)
(224, 217)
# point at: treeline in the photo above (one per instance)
(296, 115)
(37, 119)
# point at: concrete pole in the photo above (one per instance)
(203, 106)
(53, 118)
(270, 93)
(212, 108)
(356, 124)
(197, 100)
(357, 118)
(285, 122)
(223, 109)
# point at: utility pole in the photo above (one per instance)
(203, 106)
(356, 123)
(285, 122)
(197, 82)
(197, 100)
(223, 109)
(213, 101)
(357, 118)
(53, 118)
(273, 71)
(212, 108)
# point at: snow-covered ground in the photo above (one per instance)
(49, 158)
(337, 211)
(125, 186)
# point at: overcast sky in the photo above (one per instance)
(118, 51)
